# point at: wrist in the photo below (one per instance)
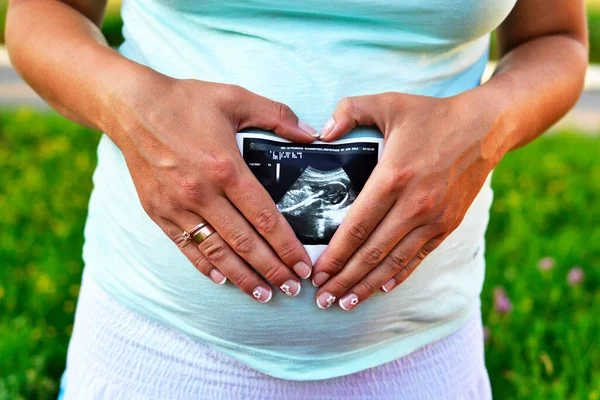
(490, 111)
(130, 92)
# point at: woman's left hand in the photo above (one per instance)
(438, 153)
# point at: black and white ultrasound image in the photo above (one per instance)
(313, 185)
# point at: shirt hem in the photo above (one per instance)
(305, 368)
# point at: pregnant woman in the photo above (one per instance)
(191, 287)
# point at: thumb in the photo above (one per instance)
(261, 112)
(351, 112)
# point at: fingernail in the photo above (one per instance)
(349, 301)
(217, 276)
(328, 127)
(262, 294)
(308, 129)
(291, 287)
(320, 278)
(389, 285)
(325, 300)
(302, 270)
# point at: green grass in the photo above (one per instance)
(547, 203)
(594, 35)
(547, 198)
(45, 165)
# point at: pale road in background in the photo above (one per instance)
(585, 117)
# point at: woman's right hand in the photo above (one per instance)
(178, 139)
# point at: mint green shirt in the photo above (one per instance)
(308, 54)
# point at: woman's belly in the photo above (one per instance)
(129, 256)
(134, 261)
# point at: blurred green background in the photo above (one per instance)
(541, 301)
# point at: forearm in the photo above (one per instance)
(533, 86)
(64, 57)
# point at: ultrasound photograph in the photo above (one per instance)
(313, 185)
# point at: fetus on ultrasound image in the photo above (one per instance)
(313, 185)
(317, 202)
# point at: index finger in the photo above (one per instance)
(373, 202)
(255, 203)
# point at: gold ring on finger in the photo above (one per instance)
(201, 231)
(187, 235)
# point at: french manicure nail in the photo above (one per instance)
(308, 129)
(348, 302)
(325, 300)
(328, 127)
(291, 287)
(217, 276)
(262, 294)
(320, 278)
(302, 270)
(389, 285)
